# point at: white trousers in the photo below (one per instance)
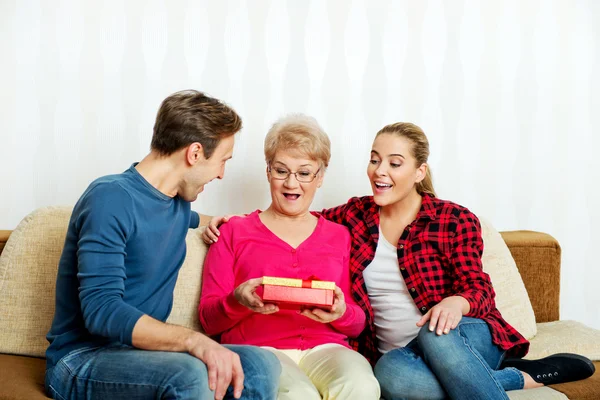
(328, 372)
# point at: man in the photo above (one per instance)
(114, 290)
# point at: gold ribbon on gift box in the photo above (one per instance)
(292, 282)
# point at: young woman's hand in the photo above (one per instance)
(337, 309)
(246, 295)
(445, 315)
(211, 233)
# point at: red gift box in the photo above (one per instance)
(292, 293)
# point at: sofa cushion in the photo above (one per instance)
(570, 337)
(28, 269)
(22, 377)
(511, 296)
(542, 393)
(565, 337)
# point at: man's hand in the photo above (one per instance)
(211, 233)
(446, 314)
(246, 295)
(337, 309)
(224, 366)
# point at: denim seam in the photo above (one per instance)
(119, 383)
(179, 389)
(81, 350)
(476, 322)
(468, 346)
(502, 356)
(55, 392)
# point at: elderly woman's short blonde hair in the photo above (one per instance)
(298, 133)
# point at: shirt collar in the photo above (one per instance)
(428, 209)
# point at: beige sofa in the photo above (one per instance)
(30, 253)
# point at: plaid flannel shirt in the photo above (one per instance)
(439, 255)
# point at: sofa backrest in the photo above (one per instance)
(512, 299)
(28, 279)
(28, 266)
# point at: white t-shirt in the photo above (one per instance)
(395, 311)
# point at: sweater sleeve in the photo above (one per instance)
(470, 281)
(354, 319)
(335, 214)
(194, 220)
(345, 214)
(104, 226)
(218, 309)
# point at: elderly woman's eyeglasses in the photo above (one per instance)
(304, 176)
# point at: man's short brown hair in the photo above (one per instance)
(190, 116)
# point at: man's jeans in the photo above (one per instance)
(462, 364)
(123, 372)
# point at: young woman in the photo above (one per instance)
(433, 330)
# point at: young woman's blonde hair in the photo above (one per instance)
(420, 149)
(301, 134)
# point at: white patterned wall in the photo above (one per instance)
(506, 90)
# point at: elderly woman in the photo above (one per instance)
(287, 240)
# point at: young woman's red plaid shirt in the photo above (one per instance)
(439, 255)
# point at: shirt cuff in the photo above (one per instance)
(345, 320)
(473, 305)
(130, 323)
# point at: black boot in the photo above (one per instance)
(557, 368)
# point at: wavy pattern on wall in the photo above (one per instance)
(507, 92)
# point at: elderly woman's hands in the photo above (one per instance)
(246, 295)
(337, 309)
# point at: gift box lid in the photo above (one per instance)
(293, 282)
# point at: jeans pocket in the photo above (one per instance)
(74, 359)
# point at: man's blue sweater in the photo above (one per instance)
(124, 247)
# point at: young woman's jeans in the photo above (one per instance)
(462, 364)
(123, 372)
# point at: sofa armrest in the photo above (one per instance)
(537, 256)
(3, 239)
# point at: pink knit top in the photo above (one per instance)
(247, 249)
